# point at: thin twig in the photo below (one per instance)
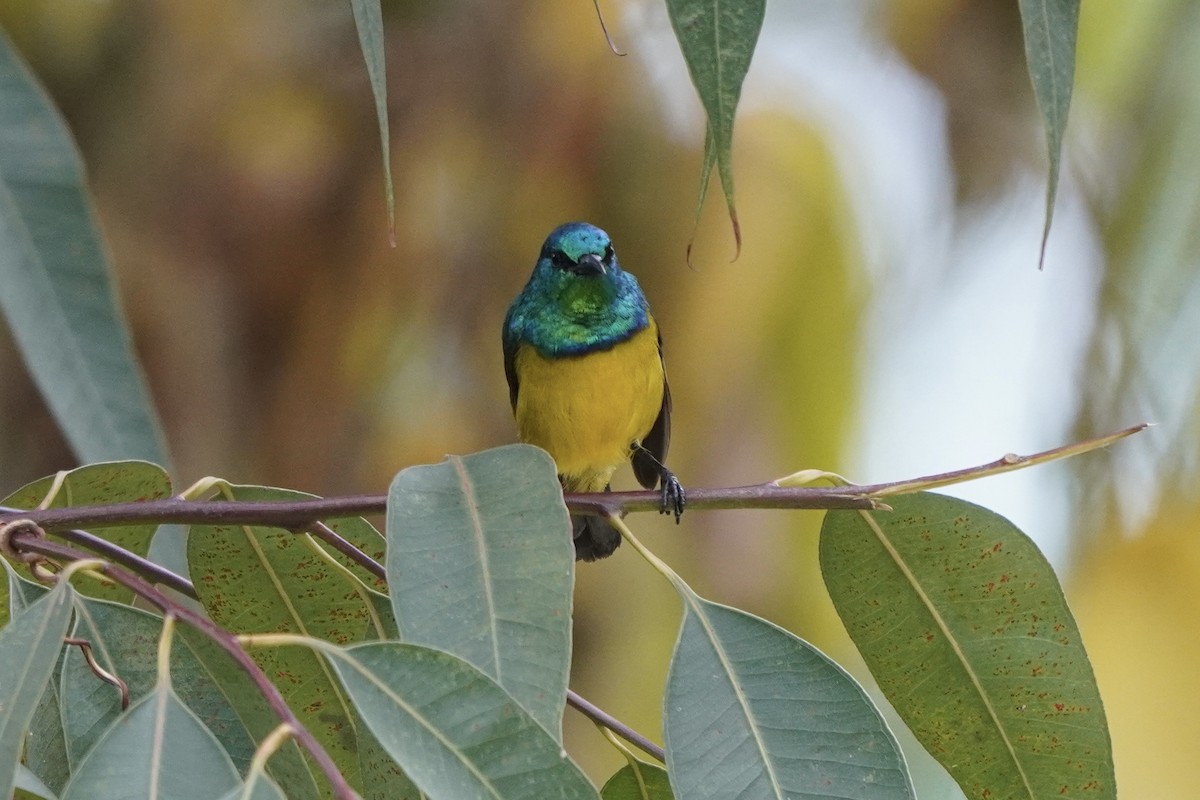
(335, 540)
(763, 495)
(1006, 463)
(615, 725)
(144, 567)
(224, 639)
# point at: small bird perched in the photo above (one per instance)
(583, 357)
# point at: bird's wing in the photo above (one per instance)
(510, 359)
(650, 459)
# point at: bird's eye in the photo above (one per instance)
(608, 254)
(559, 259)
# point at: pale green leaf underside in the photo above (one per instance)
(125, 641)
(32, 785)
(29, 648)
(453, 730)
(158, 748)
(752, 711)
(480, 564)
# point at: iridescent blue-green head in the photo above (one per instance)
(578, 298)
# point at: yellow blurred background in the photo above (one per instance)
(885, 318)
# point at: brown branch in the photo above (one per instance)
(763, 495)
(303, 514)
(292, 514)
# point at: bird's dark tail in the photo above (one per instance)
(595, 537)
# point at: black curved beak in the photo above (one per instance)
(589, 264)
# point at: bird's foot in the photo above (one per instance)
(673, 496)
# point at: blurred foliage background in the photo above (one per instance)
(885, 319)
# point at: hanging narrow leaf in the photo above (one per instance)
(368, 20)
(480, 564)
(55, 283)
(717, 38)
(1050, 30)
(963, 624)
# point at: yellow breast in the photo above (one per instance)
(587, 410)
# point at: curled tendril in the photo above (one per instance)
(10, 529)
(85, 647)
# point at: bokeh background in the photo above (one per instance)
(885, 319)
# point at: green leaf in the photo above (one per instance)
(753, 711)
(1050, 30)
(124, 642)
(963, 624)
(158, 748)
(385, 627)
(55, 284)
(29, 647)
(101, 484)
(263, 788)
(368, 19)
(382, 778)
(287, 766)
(22, 593)
(262, 580)
(355, 530)
(638, 781)
(717, 38)
(480, 564)
(31, 785)
(454, 731)
(45, 744)
(5, 598)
